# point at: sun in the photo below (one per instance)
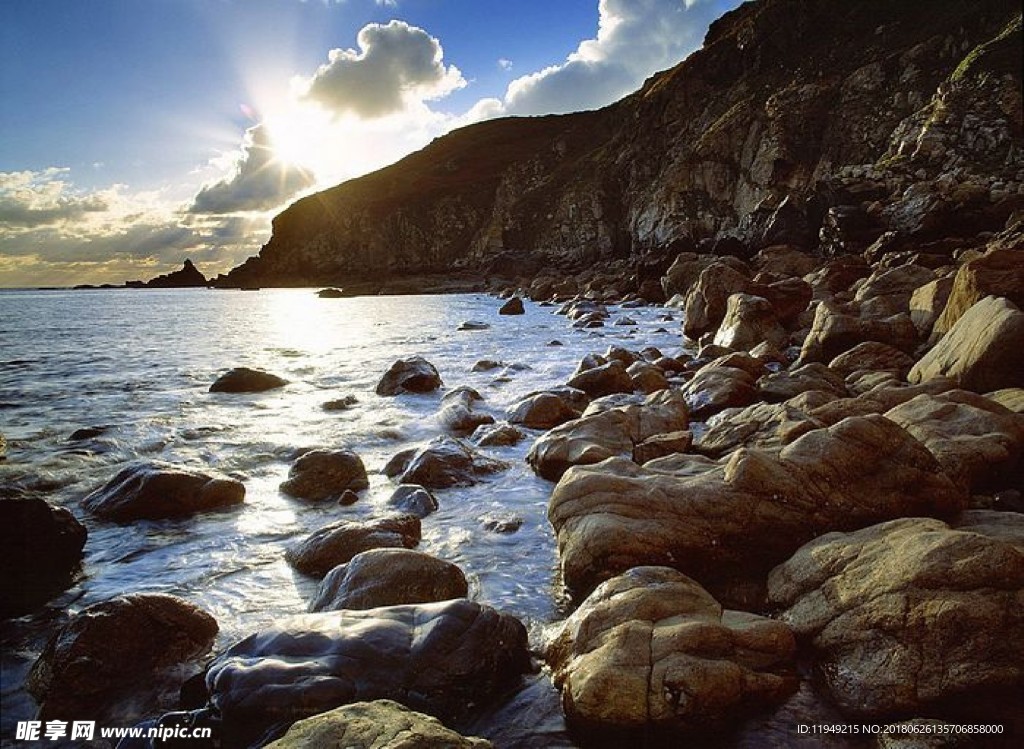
(299, 135)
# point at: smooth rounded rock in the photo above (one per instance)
(245, 380)
(413, 375)
(325, 474)
(337, 543)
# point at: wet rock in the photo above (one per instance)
(486, 365)
(245, 380)
(389, 577)
(604, 379)
(398, 462)
(152, 491)
(332, 293)
(749, 320)
(413, 375)
(513, 306)
(108, 657)
(413, 499)
(977, 442)
(647, 378)
(473, 325)
(872, 356)
(457, 415)
(325, 474)
(616, 515)
(911, 612)
(340, 404)
(618, 353)
(446, 462)
(86, 433)
(603, 432)
(650, 651)
(501, 522)
(438, 658)
(337, 543)
(381, 724)
(660, 445)
(348, 498)
(625, 321)
(981, 351)
(715, 388)
(497, 435)
(999, 273)
(40, 550)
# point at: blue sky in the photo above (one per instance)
(134, 133)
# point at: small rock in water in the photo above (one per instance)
(496, 435)
(399, 462)
(340, 404)
(86, 433)
(447, 462)
(555, 342)
(486, 365)
(348, 497)
(473, 325)
(245, 380)
(513, 306)
(325, 474)
(413, 375)
(337, 543)
(413, 499)
(331, 293)
(501, 522)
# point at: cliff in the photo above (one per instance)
(821, 123)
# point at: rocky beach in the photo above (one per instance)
(726, 450)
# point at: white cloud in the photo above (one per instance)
(31, 199)
(504, 63)
(635, 38)
(259, 180)
(396, 66)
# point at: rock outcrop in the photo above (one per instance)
(188, 277)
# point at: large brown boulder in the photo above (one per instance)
(749, 320)
(445, 462)
(337, 543)
(412, 375)
(978, 442)
(108, 662)
(542, 411)
(381, 724)
(153, 491)
(437, 658)
(40, 550)
(999, 272)
(388, 577)
(872, 356)
(325, 474)
(834, 332)
(729, 525)
(981, 351)
(927, 303)
(912, 612)
(604, 379)
(650, 651)
(715, 388)
(707, 299)
(606, 431)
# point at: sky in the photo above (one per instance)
(136, 133)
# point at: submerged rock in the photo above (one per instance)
(381, 724)
(413, 375)
(152, 491)
(337, 543)
(447, 462)
(496, 435)
(108, 656)
(325, 474)
(457, 414)
(912, 612)
(439, 658)
(729, 523)
(388, 577)
(340, 404)
(245, 380)
(652, 651)
(40, 550)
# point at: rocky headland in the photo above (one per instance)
(816, 498)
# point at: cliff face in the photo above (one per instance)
(821, 123)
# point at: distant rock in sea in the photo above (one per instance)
(186, 278)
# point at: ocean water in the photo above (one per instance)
(139, 365)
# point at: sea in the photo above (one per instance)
(137, 365)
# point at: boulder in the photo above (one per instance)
(153, 491)
(542, 411)
(513, 306)
(647, 378)
(927, 303)
(109, 659)
(781, 386)
(660, 445)
(981, 351)
(381, 724)
(413, 375)
(388, 577)
(978, 442)
(715, 388)
(888, 291)
(784, 260)
(457, 415)
(911, 612)
(999, 273)
(767, 425)
(340, 404)
(749, 320)
(834, 332)
(707, 298)
(337, 543)
(603, 432)
(789, 298)
(325, 474)
(40, 550)
(439, 658)
(446, 462)
(412, 499)
(616, 515)
(604, 379)
(872, 356)
(651, 652)
(497, 435)
(684, 272)
(245, 380)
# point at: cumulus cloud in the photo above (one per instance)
(259, 180)
(635, 38)
(32, 199)
(396, 65)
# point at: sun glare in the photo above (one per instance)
(298, 135)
